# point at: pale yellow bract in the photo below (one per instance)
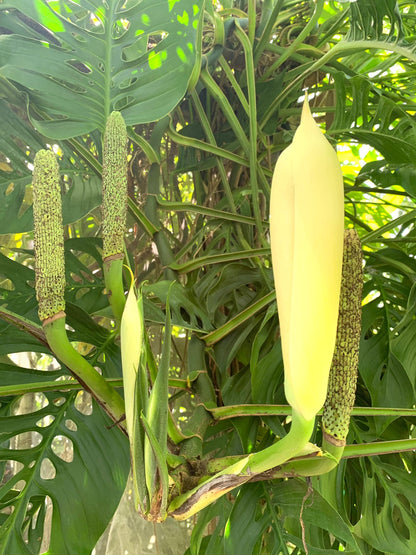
(306, 229)
(131, 339)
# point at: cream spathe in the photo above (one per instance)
(306, 229)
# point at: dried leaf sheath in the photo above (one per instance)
(49, 237)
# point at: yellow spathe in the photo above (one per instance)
(131, 338)
(306, 230)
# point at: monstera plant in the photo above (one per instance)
(167, 170)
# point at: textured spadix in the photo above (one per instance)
(114, 206)
(343, 375)
(49, 235)
(306, 229)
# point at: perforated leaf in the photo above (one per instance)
(78, 62)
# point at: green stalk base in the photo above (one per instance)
(113, 279)
(105, 395)
(244, 470)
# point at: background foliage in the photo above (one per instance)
(223, 82)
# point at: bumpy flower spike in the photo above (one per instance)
(50, 283)
(343, 376)
(114, 209)
(49, 237)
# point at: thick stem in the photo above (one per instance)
(113, 278)
(103, 393)
(285, 449)
(242, 471)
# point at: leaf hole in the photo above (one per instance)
(19, 486)
(81, 67)
(155, 38)
(380, 495)
(123, 103)
(25, 440)
(83, 403)
(399, 523)
(30, 403)
(36, 27)
(79, 38)
(70, 425)
(71, 86)
(34, 526)
(47, 469)
(45, 421)
(119, 28)
(63, 448)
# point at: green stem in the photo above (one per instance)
(217, 259)
(210, 212)
(276, 524)
(295, 44)
(103, 393)
(233, 323)
(216, 92)
(252, 101)
(283, 450)
(234, 83)
(340, 50)
(233, 411)
(113, 278)
(244, 470)
(152, 155)
(379, 448)
(52, 385)
(206, 147)
(266, 24)
(206, 125)
(251, 21)
(140, 217)
(211, 138)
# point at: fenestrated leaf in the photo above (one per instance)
(386, 176)
(403, 345)
(18, 144)
(317, 512)
(382, 373)
(368, 20)
(186, 310)
(81, 513)
(78, 63)
(379, 121)
(387, 515)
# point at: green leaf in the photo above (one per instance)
(317, 512)
(387, 514)
(186, 310)
(79, 62)
(18, 145)
(247, 522)
(81, 506)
